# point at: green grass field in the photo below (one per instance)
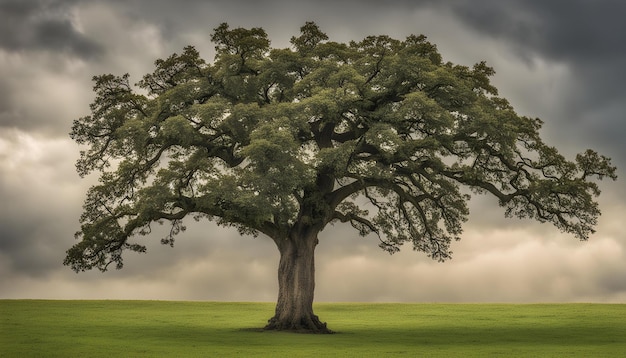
(34, 328)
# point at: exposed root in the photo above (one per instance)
(310, 324)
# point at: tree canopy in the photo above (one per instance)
(382, 134)
(265, 138)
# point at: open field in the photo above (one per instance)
(37, 328)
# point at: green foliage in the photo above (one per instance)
(277, 141)
(192, 329)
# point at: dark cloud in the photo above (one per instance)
(7, 109)
(573, 31)
(43, 25)
(560, 62)
(40, 202)
(42, 94)
(24, 241)
(586, 36)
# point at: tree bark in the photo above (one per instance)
(296, 285)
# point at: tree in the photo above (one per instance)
(381, 134)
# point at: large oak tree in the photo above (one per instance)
(381, 134)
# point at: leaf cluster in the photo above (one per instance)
(381, 133)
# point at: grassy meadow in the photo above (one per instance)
(40, 328)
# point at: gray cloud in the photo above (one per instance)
(586, 36)
(42, 94)
(41, 199)
(43, 25)
(562, 64)
(574, 31)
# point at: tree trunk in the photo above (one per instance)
(296, 284)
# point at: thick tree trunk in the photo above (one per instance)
(296, 285)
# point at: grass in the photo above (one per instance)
(38, 328)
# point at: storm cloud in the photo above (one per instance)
(587, 36)
(562, 62)
(43, 25)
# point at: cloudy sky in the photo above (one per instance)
(563, 63)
